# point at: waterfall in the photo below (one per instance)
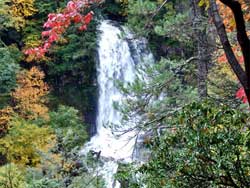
(116, 62)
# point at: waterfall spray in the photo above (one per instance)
(116, 62)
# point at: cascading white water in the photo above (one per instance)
(115, 63)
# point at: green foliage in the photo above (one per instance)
(88, 175)
(29, 142)
(164, 88)
(87, 181)
(12, 177)
(144, 16)
(221, 79)
(8, 68)
(24, 142)
(115, 9)
(72, 69)
(140, 19)
(71, 172)
(126, 176)
(36, 178)
(161, 91)
(15, 12)
(69, 129)
(44, 183)
(140, 15)
(71, 94)
(74, 60)
(203, 145)
(46, 6)
(6, 19)
(172, 26)
(162, 25)
(33, 28)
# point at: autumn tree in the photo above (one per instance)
(25, 141)
(57, 25)
(15, 12)
(12, 177)
(5, 117)
(243, 74)
(26, 131)
(29, 96)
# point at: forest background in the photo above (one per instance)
(193, 105)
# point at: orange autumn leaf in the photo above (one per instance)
(30, 94)
(228, 17)
(5, 117)
(230, 25)
(222, 58)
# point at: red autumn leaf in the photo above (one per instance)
(71, 6)
(57, 24)
(83, 28)
(88, 17)
(77, 18)
(28, 51)
(47, 45)
(240, 94)
(51, 16)
(241, 59)
(45, 33)
(222, 59)
(53, 37)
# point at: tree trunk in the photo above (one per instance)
(203, 49)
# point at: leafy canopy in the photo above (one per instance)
(203, 145)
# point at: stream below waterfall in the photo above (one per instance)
(118, 57)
